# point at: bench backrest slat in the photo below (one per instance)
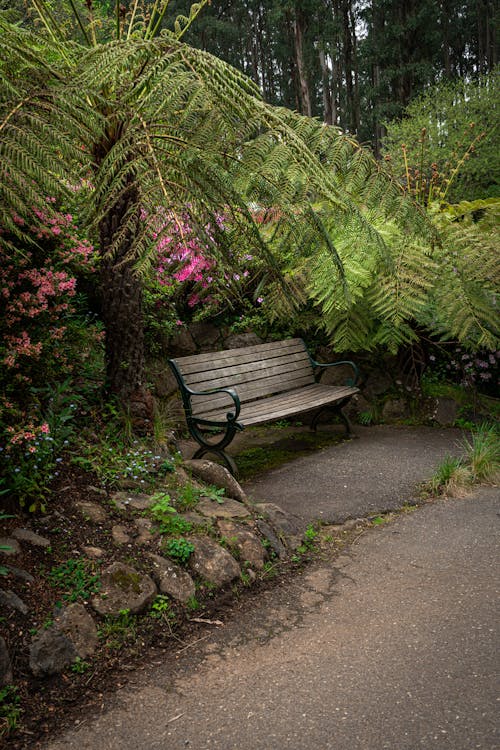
(256, 352)
(248, 372)
(255, 371)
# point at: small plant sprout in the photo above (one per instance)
(79, 666)
(310, 537)
(118, 630)
(162, 609)
(179, 549)
(10, 710)
(76, 578)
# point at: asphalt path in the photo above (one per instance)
(391, 646)
(378, 472)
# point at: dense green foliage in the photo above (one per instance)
(149, 140)
(446, 145)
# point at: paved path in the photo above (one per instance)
(378, 472)
(393, 647)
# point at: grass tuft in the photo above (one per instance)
(480, 464)
(483, 453)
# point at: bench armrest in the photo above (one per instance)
(350, 381)
(230, 391)
(187, 393)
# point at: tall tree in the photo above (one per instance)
(150, 121)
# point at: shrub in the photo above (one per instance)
(45, 344)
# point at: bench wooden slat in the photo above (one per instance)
(247, 392)
(220, 368)
(250, 373)
(277, 407)
(241, 354)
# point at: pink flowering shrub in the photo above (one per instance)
(41, 339)
(189, 282)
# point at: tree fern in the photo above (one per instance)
(464, 301)
(150, 122)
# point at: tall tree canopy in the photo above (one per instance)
(147, 121)
(354, 63)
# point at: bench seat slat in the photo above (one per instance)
(294, 402)
(247, 392)
(273, 380)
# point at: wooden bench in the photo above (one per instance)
(225, 391)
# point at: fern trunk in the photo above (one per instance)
(122, 311)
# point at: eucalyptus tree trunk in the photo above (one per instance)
(326, 88)
(299, 26)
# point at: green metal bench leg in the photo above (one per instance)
(338, 410)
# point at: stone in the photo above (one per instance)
(144, 531)
(94, 552)
(238, 340)
(395, 408)
(182, 343)
(5, 664)
(77, 624)
(212, 562)
(25, 535)
(205, 335)
(284, 522)
(97, 490)
(92, 511)
(172, 579)
(19, 573)
(212, 473)
(10, 599)
(247, 544)
(377, 383)
(124, 500)
(336, 375)
(352, 523)
(191, 516)
(274, 542)
(162, 379)
(123, 587)
(9, 546)
(444, 411)
(72, 634)
(120, 535)
(51, 651)
(228, 509)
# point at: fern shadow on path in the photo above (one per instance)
(379, 472)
